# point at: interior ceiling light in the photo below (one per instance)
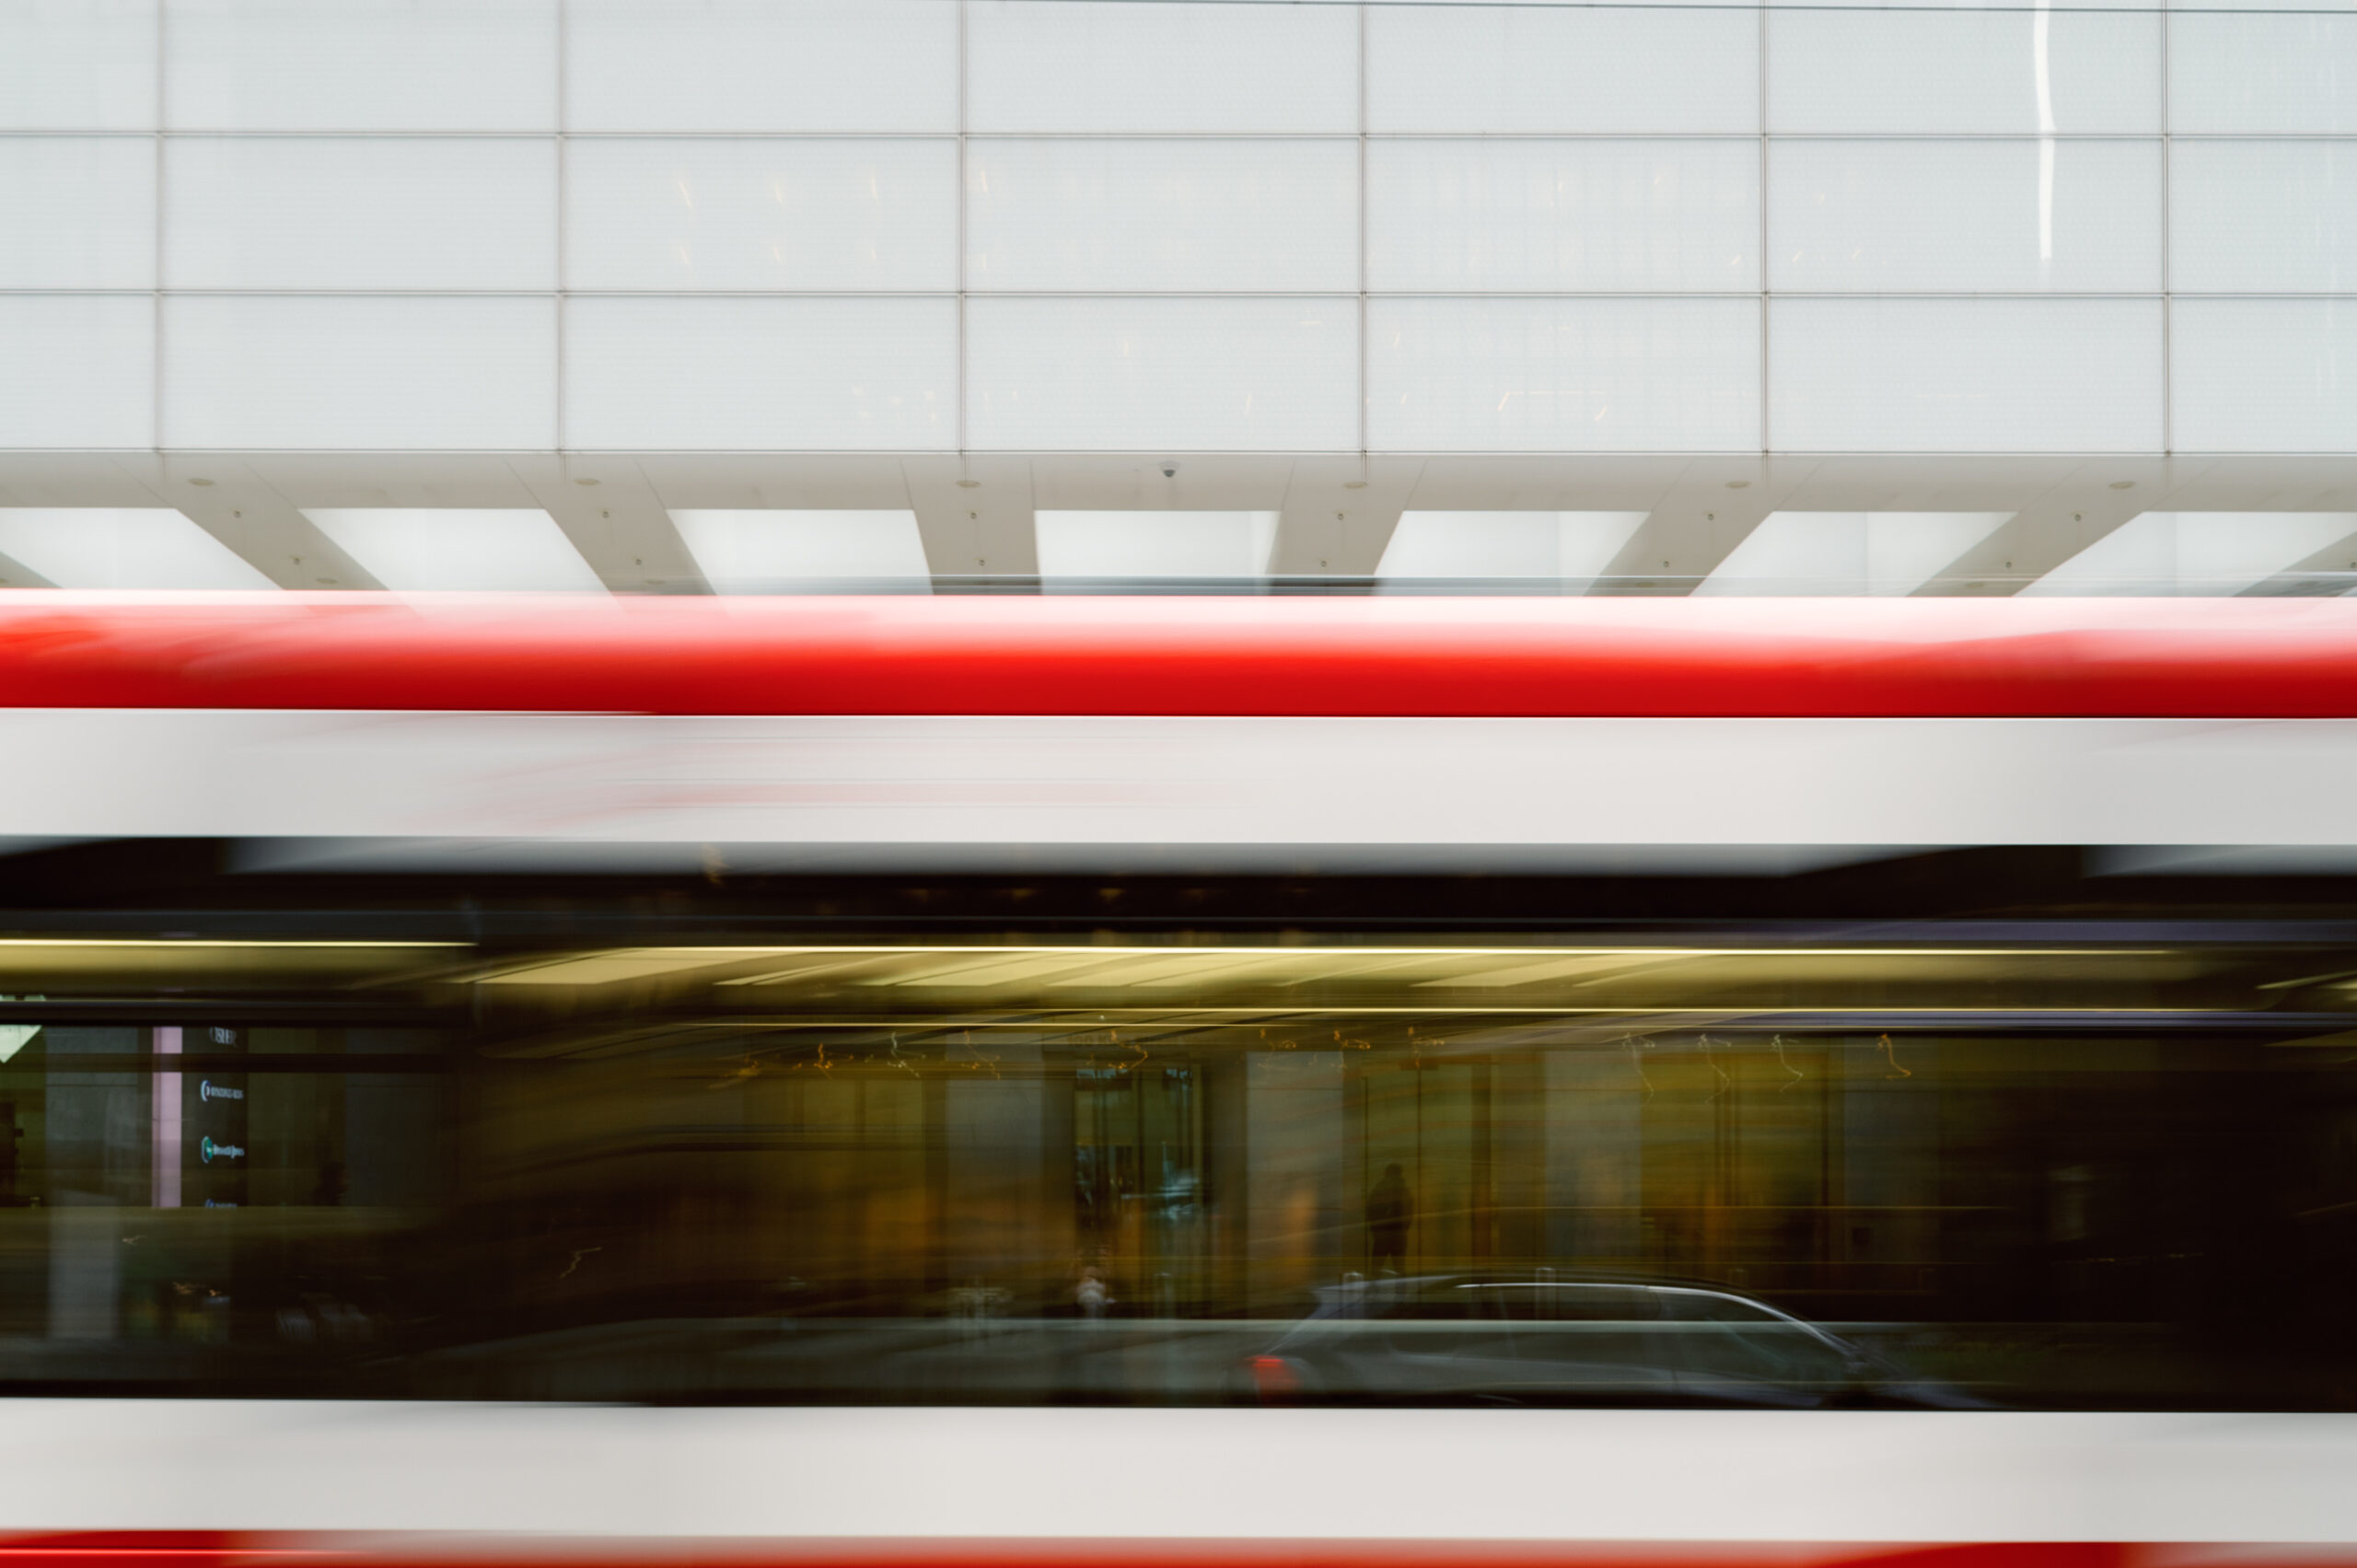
(930, 968)
(1566, 546)
(1355, 484)
(426, 550)
(1848, 552)
(1738, 484)
(584, 482)
(751, 551)
(598, 968)
(1728, 1015)
(2123, 484)
(979, 950)
(970, 484)
(122, 547)
(173, 944)
(1155, 544)
(205, 483)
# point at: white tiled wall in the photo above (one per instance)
(1051, 225)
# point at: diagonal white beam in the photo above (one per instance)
(613, 515)
(1712, 507)
(15, 573)
(229, 500)
(1339, 515)
(2088, 503)
(974, 515)
(2329, 570)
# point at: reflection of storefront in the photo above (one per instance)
(1138, 1177)
(1809, 1168)
(216, 1139)
(1217, 1172)
(186, 1183)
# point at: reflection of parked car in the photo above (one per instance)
(1457, 1338)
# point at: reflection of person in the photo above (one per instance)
(1090, 1294)
(1390, 1211)
(8, 1150)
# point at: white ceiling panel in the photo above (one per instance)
(1588, 214)
(2263, 374)
(77, 67)
(1524, 69)
(410, 213)
(1198, 216)
(1598, 374)
(2263, 216)
(1135, 374)
(421, 550)
(81, 211)
(81, 370)
(761, 374)
(2287, 71)
(1043, 65)
(1155, 544)
(753, 552)
(1871, 374)
(759, 66)
(121, 547)
(361, 65)
(697, 212)
(356, 372)
(1977, 215)
(1977, 70)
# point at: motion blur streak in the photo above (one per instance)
(632, 791)
(1292, 657)
(228, 1550)
(365, 732)
(986, 1488)
(1198, 1046)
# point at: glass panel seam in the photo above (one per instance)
(156, 277)
(1374, 296)
(1760, 259)
(1365, 391)
(893, 452)
(963, 75)
(2168, 245)
(563, 247)
(1629, 134)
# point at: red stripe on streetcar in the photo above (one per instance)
(1278, 656)
(428, 1550)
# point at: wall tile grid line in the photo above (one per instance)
(985, 224)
